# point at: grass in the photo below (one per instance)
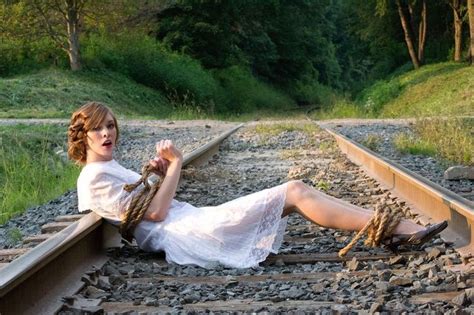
(323, 185)
(409, 144)
(341, 109)
(31, 172)
(451, 139)
(372, 141)
(443, 89)
(56, 93)
(14, 236)
(264, 115)
(275, 129)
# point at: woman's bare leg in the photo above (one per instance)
(331, 212)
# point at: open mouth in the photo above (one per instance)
(107, 143)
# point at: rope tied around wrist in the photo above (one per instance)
(140, 202)
(378, 228)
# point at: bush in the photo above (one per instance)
(241, 92)
(313, 93)
(149, 63)
(374, 98)
(341, 109)
(17, 56)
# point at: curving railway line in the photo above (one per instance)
(306, 276)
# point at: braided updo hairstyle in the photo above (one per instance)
(89, 116)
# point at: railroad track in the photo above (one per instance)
(306, 276)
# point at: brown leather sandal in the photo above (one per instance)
(415, 239)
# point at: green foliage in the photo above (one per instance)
(194, 52)
(30, 171)
(372, 141)
(241, 92)
(377, 95)
(57, 93)
(410, 144)
(427, 91)
(342, 108)
(149, 63)
(369, 44)
(14, 236)
(323, 185)
(313, 93)
(261, 35)
(438, 89)
(19, 56)
(268, 130)
(451, 138)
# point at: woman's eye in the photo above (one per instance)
(96, 129)
(111, 126)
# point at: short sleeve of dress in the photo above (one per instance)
(100, 189)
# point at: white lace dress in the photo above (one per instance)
(239, 233)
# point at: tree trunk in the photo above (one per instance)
(470, 8)
(422, 34)
(72, 20)
(457, 30)
(408, 35)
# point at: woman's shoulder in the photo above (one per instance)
(91, 170)
(109, 170)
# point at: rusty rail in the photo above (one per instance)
(425, 197)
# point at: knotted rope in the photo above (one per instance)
(140, 202)
(379, 227)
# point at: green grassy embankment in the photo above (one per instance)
(54, 93)
(442, 89)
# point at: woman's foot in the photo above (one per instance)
(415, 239)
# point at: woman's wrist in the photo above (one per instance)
(178, 161)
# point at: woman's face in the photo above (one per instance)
(101, 141)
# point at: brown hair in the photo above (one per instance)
(89, 116)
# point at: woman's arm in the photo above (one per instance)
(158, 209)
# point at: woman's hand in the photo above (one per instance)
(160, 165)
(165, 149)
(171, 159)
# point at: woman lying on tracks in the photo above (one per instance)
(240, 233)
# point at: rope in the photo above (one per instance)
(140, 202)
(379, 227)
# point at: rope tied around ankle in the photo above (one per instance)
(379, 227)
(140, 202)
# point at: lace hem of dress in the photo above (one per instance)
(270, 232)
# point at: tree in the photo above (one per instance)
(470, 8)
(459, 11)
(33, 20)
(408, 21)
(62, 22)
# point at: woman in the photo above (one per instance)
(240, 233)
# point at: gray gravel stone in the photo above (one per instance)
(459, 172)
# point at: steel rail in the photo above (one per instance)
(423, 196)
(31, 283)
